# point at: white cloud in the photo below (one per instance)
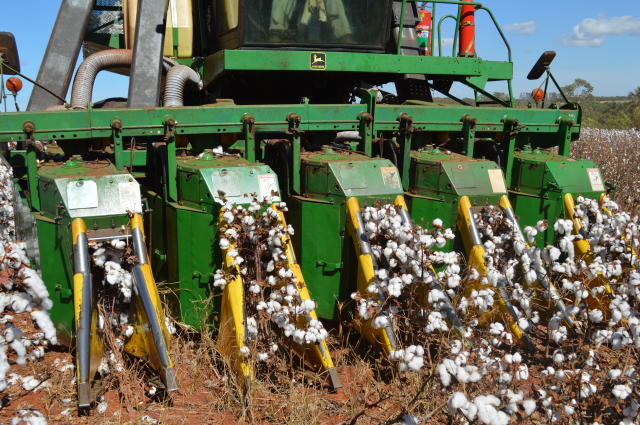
(592, 31)
(528, 27)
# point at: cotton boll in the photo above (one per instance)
(496, 328)
(44, 322)
(558, 357)
(224, 243)
(522, 374)
(102, 407)
(621, 392)
(308, 305)
(614, 374)
(18, 347)
(529, 406)
(445, 378)
(381, 321)
(34, 284)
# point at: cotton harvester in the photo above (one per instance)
(235, 102)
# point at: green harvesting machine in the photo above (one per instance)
(327, 105)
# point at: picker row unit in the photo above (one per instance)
(192, 182)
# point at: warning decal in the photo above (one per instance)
(595, 179)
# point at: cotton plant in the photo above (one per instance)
(509, 263)
(23, 298)
(253, 236)
(593, 359)
(503, 391)
(486, 384)
(406, 256)
(113, 274)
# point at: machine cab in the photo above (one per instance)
(351, 25)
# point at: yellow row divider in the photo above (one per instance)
(583, 249)
(382, 337)
(475, 257)
(232, 331)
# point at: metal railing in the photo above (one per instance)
(434, 3)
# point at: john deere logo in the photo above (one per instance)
(318, 61)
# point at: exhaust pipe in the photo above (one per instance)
(88, 70)
(175, 85)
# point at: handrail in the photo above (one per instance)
(455, 36)
(504, 38)
(478, 6)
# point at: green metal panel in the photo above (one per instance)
(56, 267)
(193, 257)
(325, 251)
(291, 60)
(438, 179)
(329, 173)
(157, 235)
(539, 181)
(223, 118)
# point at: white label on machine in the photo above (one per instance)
(595, 179)
(130, 197)
(268, 186)
(390, 177)
(497, 181)
(82, 194)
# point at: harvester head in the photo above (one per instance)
(396, 202)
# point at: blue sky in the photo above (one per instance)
(595, 40)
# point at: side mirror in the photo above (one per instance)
(9, 53)
(543, 62)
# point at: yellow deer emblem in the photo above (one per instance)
(318, 61)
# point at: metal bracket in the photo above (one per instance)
(564, 130)
(366, 132)
(511, 129)
(469, 133)
(249, 132)
(118, 146)
(169, 129)
(294, 120)
(405, 130)
(32, 163)
(329, 267)
(172, 167)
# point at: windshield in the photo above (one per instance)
(317, 22)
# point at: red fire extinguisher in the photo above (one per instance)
(467, 46)
(424, 32)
